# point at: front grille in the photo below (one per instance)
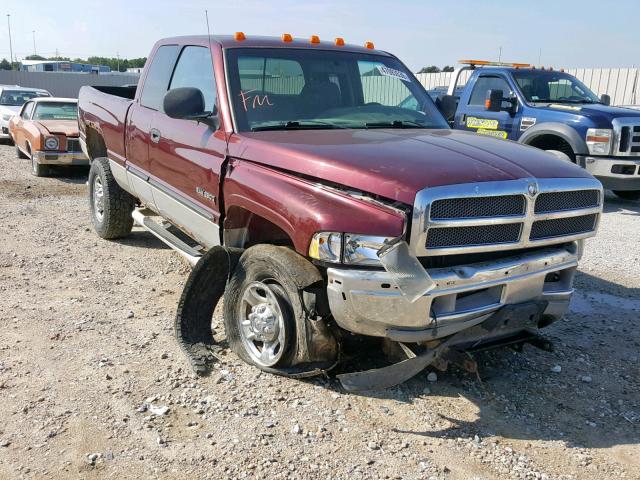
(563, 227)
(561, 201)
(473, 236)
(629, 143)
(478, 207)
(73, 145)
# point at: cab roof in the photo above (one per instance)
(256, 41)
(54, 100)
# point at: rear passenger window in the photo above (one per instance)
(270, 75)
(157, 81)
(195, 69)
(483, 85)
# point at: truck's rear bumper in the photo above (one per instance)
(367, 302)
(60, 158)
(615, 173)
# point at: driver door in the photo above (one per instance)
(475, 117)
(20, 138)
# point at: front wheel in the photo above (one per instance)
(628, 194)
(110, 205)
(266, 322)
(19, 153)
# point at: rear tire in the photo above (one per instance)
(37, 169)
(110, 205)
(19, 153)
(628, 194)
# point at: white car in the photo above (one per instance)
(12, 97)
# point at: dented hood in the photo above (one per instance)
(59, 127)
(395, 163)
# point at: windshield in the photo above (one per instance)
(17, 98)
(280, 89)
(556, 87)
(56, 111)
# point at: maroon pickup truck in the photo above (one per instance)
(356, 208)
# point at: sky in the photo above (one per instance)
(559, 33)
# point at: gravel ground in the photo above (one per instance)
(93, 384)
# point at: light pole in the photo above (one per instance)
(34, 42)
(10, 44)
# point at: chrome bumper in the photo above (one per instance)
(60, 158)
(367, 302)
(617, 173)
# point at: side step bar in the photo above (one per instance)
(189, 253)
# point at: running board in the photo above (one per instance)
(189, 253)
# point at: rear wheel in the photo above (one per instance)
(628, 194)
(110, 205)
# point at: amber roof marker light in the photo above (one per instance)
(287, 37)
(314, 39)
(369, 45)
(239, 36)
(494, 64)
(339, 41)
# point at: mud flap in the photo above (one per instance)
(200, 296)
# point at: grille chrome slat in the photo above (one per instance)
(626, 139)
(552, 211)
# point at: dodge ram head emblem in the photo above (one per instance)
(533, 189)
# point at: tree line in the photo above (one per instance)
(112, 62)
(434, 69)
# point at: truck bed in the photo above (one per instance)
(104, 109)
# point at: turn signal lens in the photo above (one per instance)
(599, 141)
(315, 39)
(239, 36)
(339, 41)
(287, 37)
(369, 45)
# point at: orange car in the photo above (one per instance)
(46, 131)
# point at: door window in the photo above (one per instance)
(195, 69)
(486, 83)
(157, 81)
(26, 111)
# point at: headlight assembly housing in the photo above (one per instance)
(51, 143)
(599, 141)
(347, 248)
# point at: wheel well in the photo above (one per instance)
(96, 147)
(243, 229)
(553, 142)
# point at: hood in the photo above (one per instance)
(396, 164)
(60, 127)
(601, 115)
(9, 109)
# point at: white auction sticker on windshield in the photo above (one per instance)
(392, 72)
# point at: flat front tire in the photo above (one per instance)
(109, 204)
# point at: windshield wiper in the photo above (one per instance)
(297, 125)
(395, 124)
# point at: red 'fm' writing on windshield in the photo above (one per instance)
(254, 101)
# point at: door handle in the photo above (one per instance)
(155, 135)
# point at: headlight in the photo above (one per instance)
(348, 248)
(51, 143)
(599, 141)
(6, 118)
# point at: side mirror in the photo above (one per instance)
(187, 103)
(447, 104)
(495, 99)
(605, 99)
(493, 103)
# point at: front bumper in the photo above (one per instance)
(615, 173)
(4, 131)
(60, 158)
(367, 302)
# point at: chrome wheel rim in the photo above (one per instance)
(262, 324)
(98, 199)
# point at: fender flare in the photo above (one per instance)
(565, 132)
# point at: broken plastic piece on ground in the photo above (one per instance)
(406, 270)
